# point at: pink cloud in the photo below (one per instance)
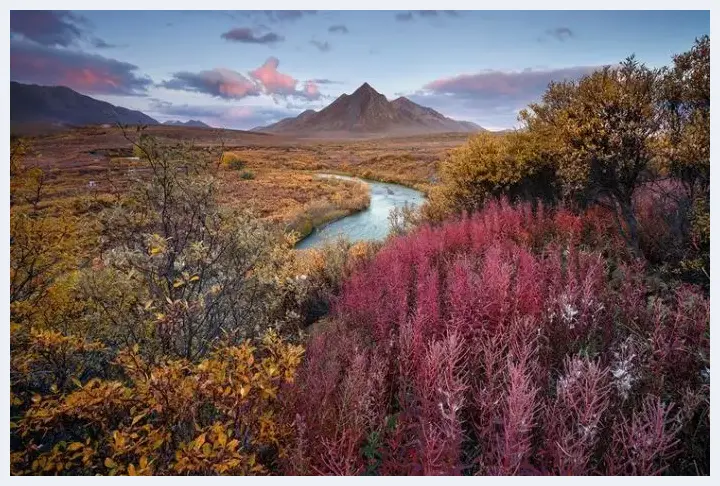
(87, 73)
(229, 84)
(273, 81)
(311, 90)
(220, 82)
(506, 83)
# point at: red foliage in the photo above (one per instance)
(512, 341)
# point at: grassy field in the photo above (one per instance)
(292, 197)
(90, 167)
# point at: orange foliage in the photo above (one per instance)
(218, 416)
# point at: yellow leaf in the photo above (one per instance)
(178, 283)
(199, 441)
(75, 446)
(109, 463)
(194, 278)
(143, 462)
(131, 470)
(137, 418)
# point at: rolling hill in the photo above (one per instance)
(59, 105)
(189, 123)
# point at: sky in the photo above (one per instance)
(242, 69)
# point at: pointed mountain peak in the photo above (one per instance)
(402, 100)
(366, 88)
(366, 111)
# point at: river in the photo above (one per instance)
(371, 223)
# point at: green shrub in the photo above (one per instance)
(247, 175)
(233, 162)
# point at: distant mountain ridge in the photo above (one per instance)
(31, 103)
(366, 111)
(189, 123)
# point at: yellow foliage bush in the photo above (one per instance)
(97, 386)
(486, 166)
(218, 416)
(233, 161)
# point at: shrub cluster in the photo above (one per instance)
(149, 346)
(217, 416)
(233, 161)
(506, 343)
(487, 166)
(607, 139)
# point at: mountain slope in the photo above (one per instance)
(431, 118)
(189, 123)
(368, 112)
(30, 103)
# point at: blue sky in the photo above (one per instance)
(243, 69)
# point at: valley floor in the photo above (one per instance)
(277, 181)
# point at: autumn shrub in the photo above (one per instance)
(155, 349)
(216, 416)
(233, 161)
(46, 248)
(404, 219)
(322, 270)
(673, 228)
(505, 342)
(179, 271)
(685, 147)
(487, 166)
(607, 139)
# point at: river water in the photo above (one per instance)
(373, 222)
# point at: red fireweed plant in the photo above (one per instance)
(510, 341)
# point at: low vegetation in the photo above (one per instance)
(298, 201)
(233, 162)
(154, 318)
(626, 138)
(506, 343)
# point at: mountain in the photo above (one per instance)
(288, 123)
(189, 123)
(30, 103)
(367, 112)
(432, 119)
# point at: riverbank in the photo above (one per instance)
(317, 214)
(371, 176)
(369, 224)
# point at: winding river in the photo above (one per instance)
(373, 222)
